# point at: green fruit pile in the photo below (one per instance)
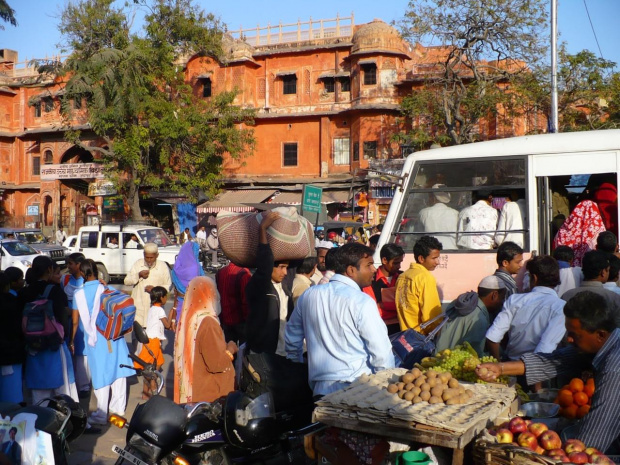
(461, 362)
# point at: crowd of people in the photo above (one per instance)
(334, 311)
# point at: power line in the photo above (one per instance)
(593, 31)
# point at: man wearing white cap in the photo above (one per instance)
(469, 316)
(534, 321)
(440, 218)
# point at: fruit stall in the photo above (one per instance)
(441, 402)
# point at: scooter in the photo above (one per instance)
(235, 429)
(60, 416)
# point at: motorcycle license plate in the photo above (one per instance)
(127, 456)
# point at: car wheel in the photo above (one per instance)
(102, 273)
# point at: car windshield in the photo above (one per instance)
(18, 248)
(156, 235)
(31, 237)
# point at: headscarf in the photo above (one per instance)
(201, 301)
(606, 197)
(187, 266)
(580, 230)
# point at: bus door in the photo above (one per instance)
(562, 181)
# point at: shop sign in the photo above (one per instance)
(91, 210)
(113, 205)
(101, 188)
(311, 198)
(72, 171)
(32, 210)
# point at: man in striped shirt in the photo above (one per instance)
(595, 345)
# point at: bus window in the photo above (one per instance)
(467, 205)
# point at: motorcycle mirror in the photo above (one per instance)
(140, 333)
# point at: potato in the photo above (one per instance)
(415, 372)
(425, 387)
(432, 382)
(431, 374)
(463, 399)
(453, 383)
(408, 396)
(449, 394)
(437, 391)
(435, 400)
(416, 390)
(402, 393)
(420, 380)
(452, 401)
(392, 388)
(408, 386)
(401, 386)
(425, 395)
(407, 378)
(445, 377)
(417, 400)
(469, 393)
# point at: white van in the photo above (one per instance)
(544, 173)
(114, 251)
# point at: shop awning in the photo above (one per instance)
(287, 198)
(234, 200)
(294, 198)
(335, 197)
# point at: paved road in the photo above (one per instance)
(97, 449)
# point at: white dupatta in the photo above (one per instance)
(88, 319)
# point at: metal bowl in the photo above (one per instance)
(540, 410)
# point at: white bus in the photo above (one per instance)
(544, 174)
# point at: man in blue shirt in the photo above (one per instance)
(344, 332)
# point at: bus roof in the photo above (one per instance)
(584, 141)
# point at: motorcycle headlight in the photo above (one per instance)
(150, 452)
(26, 263)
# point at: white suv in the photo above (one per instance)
(16, 253)
(112, 248)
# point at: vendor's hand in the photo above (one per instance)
(488, 371)
(232, 347)
(144, 274)
(148, 288)
(268, 219)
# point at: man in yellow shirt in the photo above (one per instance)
(417, 298)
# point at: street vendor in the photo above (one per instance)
(595, 345)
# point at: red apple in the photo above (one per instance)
(574, 445)
(592, 450)
(550, 440)
(528, 422)
(504, 436)
(517, 425)
(537, 429)
(527, 440)
(559, 453)
(600, 459)
(578, 457)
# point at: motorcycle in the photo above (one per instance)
(237, 428)
(60, 416)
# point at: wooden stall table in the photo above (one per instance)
(371, 409)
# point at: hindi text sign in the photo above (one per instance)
(311, 199)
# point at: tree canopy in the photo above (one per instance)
(485, 45)
(7, 14)
(158, 133)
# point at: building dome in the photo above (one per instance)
(236, 49)
(377, 36)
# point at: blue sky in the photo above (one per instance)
(36, 35)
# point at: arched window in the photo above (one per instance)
(48, 157)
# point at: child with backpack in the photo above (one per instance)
(156, 322)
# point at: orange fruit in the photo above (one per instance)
(576, 385)
(571, 411)
(581, 411)
(565, 398)
(580, 398)
(589, 387)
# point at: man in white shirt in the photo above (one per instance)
(440, 218)
(474, 221)
(60, 236)
(534, 321)
(144, 275)
(132, 243)
(512, 218)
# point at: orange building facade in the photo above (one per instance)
(326, 95)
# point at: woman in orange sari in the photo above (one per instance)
(203, 361)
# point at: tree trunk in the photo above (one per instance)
(133, 197)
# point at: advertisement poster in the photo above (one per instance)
(12, 440)
(22, 444)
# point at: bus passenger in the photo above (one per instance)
(474, 221)
(512, 218)
(581, 230)
(440, 218)
(509, 262)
